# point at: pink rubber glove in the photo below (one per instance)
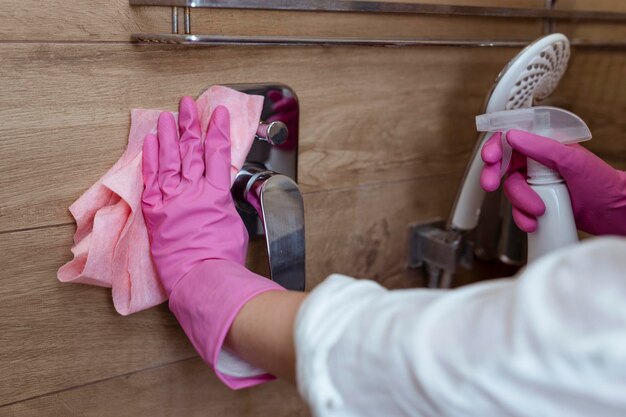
(597, 190)
(197, 239)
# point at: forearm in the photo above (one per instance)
(263, 332)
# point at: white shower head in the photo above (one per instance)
(531, 76)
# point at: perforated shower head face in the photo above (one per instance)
(532, 75)
(541, 76)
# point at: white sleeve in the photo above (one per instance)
(550, 343)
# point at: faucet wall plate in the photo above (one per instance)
(265, 190)
(280, 104)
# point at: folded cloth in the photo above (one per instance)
(111, 247)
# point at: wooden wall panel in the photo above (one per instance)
(354, 128)
(187, 388)
(115, 20)
(591, 30)
(594, 5)
(594, 32)
(57, 335)
(360, 233)
(368, 115)
(594, 87)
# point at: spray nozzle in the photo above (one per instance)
(558, 124)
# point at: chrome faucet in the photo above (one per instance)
(265, 189)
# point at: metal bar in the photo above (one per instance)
(187, 20)
(175, 20)
(299, 41)
(217, 40)
(356, 6)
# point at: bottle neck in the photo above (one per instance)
(540, 174)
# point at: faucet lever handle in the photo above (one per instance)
(283, 220)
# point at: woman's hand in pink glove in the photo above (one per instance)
(187, 204)
(597, 190)
(197, 239)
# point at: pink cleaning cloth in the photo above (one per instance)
(111, 247)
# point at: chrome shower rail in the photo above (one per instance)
(221, 40)
(548, 15)
(216, 40)
(386, 7)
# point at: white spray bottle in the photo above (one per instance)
(556, 228)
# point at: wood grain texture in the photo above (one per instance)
(590, 30)
(363, 232)
(184, 389)
(115, 20)
(57, 336)
(593, 31)
(594, 88)
(368, 115)
(594, 5)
